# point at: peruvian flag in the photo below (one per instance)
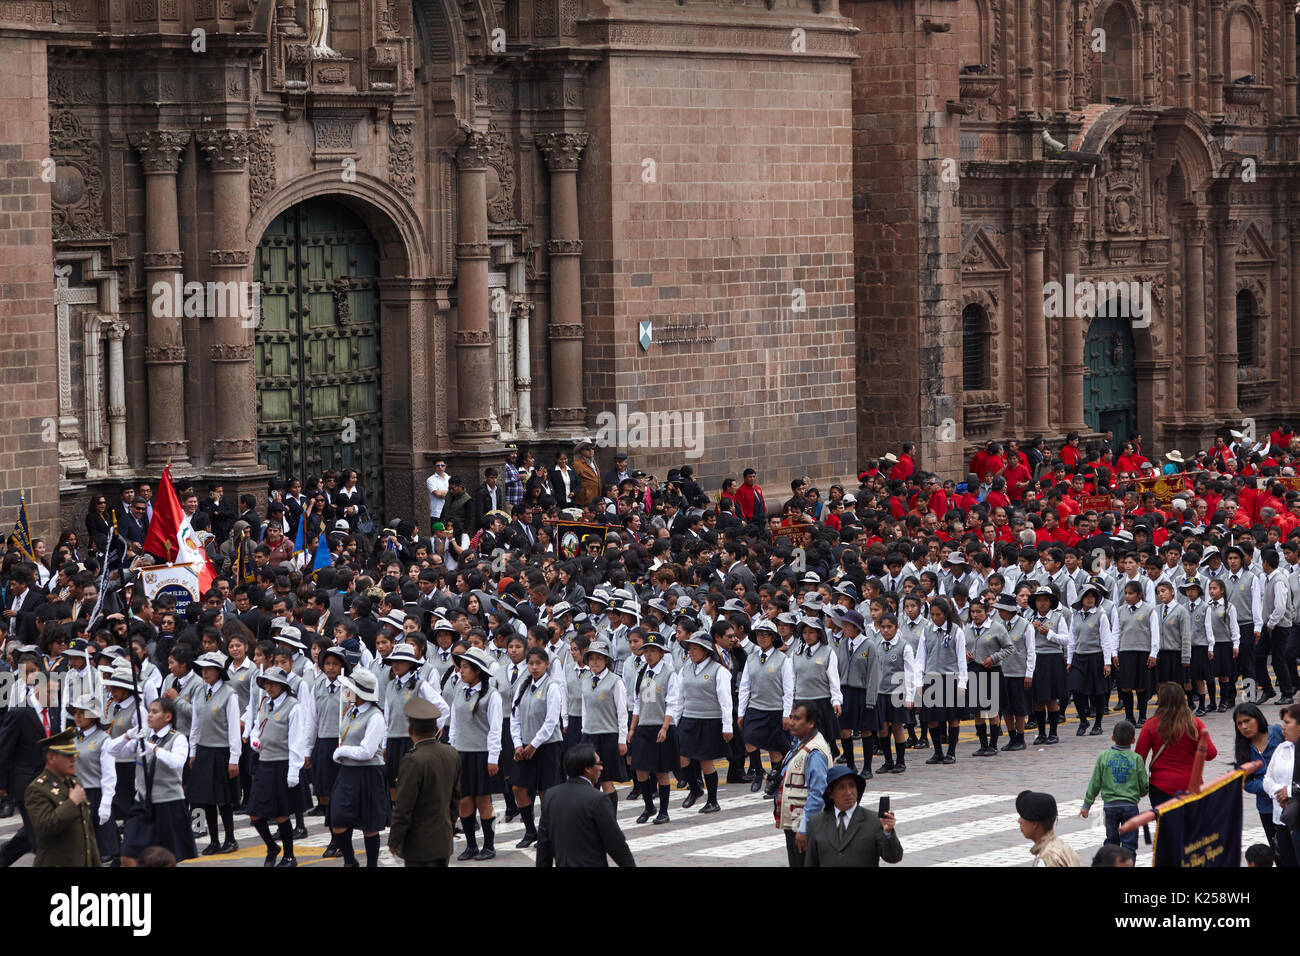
(195, 555)
(161, 540)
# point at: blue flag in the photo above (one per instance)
(22, 535)
(300, 539)
(323, 558)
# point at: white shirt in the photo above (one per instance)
(371, 741)
(493, 702)
(233, 741)
(787, 685)
(441, 483)
(1278, 776)
(554, 707)
(107, 778)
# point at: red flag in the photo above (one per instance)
(160, 540)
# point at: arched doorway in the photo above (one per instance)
(1110, 380)
(318, 366)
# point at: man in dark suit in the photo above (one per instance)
(136, 523)
(847, 834)
(736, 572)
(578, 827)
(22, 756)
(519, 534)
(21, 603)
(221, 513)
(490, 496)
(428, 792)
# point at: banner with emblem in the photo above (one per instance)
(1202, 829)
(1095, 503)
(1290, 484)
(573, 537)
(181, 581)
(1164, 487)
(794, 532)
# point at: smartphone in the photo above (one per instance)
(884, 806)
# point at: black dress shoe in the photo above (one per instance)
(982, 752)
(287, 861)
(1222, 709)
(756, 784)
(710, 806)
(887, 768)
(270, 857)
(467, 854)
(1040, 740)
(512, 816)
(486, 854)
(6, 808)
(769, 788)
(866, 773)
(937, 758)
(1265, 697)
(1083, 728)
(1053, 739)
(316, 811)
(331, 852)
(644, 816)
(353, 863)
(230, 846)
(1017, 746)
(661, 818)
(1286, 700)
(1199, 712)
(949, 759)
(211, 849)
(300, 833)
(1009, 745)
(633, 794)
(691, 799)
(1096, 730)
(528, 840)
(899, 767)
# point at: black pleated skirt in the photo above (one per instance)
(397, 748)
(700, 738)
(124, 795)
(1225, 665)
(506, 762)
(572, 733)
(1015, 699)
(164, 824)
(1200, 668)
(942, 701)
(359, 800)
(983, 690)
(475, 781)
(210, 783)
(1133, 671)
(888, 711)
(1049, 679)
(1169, 667)
(323, 767)
(271, 798)
(855, 714)
(1088, 675)
(763, 730)
(613, 764)
(650, 756)
(542, 772)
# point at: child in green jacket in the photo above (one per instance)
(1120, 776)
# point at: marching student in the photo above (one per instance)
(1017, 670)
(404, 683)
(240, 672)
(97, 771)
(897, 692)
(1087, 658)
(574, 673)
(911, 622)
(359, 799)
(1244, 589)
(766, 695)
(327, 689)
(535, 731)
(1199, 673)
(860, 685)
(475, 733)
(158, 815)
(215, 750)
(123, 715)
(703, 709)
(604, 717)
(1047, 625)
(941, 660)
(301, 685)
(987, 645)
(181, 686)
(653, 737)
(1136, 630)
(1175, 655)
(1225, 636)
(281, 737)
(507, 682)
(817, 679)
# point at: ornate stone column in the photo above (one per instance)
(1150, 17)
(115, 331)
(1080, 45)
(1226, 350)
(1025, 55)
(1185, 88)
(1072, 345)
(1294, 291)
(1036, 369)
(1194, 358)
(234, 447)
(1061, 58)
(164, 354)
(523, 364)
(562, 151)
(1216, 66)
(474, 375)
(1289, 78)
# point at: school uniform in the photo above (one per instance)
(860, 685)
(506, 683)
(359, 799)
(1200, 669)
(817, 681)
(909, 631)
(1089, 651)
(984, 684)
(1175, 655)
(604, 721)
(766, 696)
(1137, 629)
(941, 661)
(573, 677)
(898, 680)
(439, 662)
(1016, 666)
(474, 730)
(1245, 592)
(302, 692)
(1222, 630)
(215, 744)
(280, 736)
(535, 721)
(328, 696)
(1049, 652)
(122, 718)
(158, 815)
(97, 772)
(657, 690)
(398, 740)
(704, 707)
(241, 680)
(187, 687)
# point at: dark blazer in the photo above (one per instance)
(865, 841)
(482, 504)
(21, 756)
(428, 799)
(557, 487)
(222, 516)
(578, 828)
(31, 600)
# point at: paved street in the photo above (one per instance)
(959, 815)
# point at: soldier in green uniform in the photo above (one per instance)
(62, 817)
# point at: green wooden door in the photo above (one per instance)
(318, 347)
(1110, 383)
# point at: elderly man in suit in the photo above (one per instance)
(578, 826)
(846, 834)
(428, 792)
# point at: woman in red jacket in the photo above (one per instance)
(1171, 734)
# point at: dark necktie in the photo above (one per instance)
(842, 827)
(332, 689)
(469, 692)
(1164, 613)
(153, 739)
(594, 681)
(270, 706)
(208, 694)
(762, 658)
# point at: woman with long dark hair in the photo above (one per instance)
(1257, 739)
(98, 522)
(1279, 783)
(1171, 736)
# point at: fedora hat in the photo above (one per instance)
(836, 774)
(275, 675)
(362, 683)
(476, 656)
(1191, 583)
(766, 626)
(90, 703)
(212, 659)
(853, 618)
(394, 619)
(890, 457)
(603, 649)
(402, 652)
(78, 648)
(1176, 456)
(292, 636)
(701, 639)
(561, 608)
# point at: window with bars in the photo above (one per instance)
(974, 349)
(1247, 344)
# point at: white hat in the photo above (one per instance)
(1236, 434)
(275, 675)
(122, 676)
(212, 659)
(1175, 455)
(560, 608)
(478, 657)
(890, 457)
(362, 683)
(402, 652)
(292, 636)
(90, 703)
(342, 525)
(394, 619)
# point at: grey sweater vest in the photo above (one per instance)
(811, 682)
(167, 784)
(532, 713)
(1221, 624)
(210, 716)
(1196, 615)
(1135, 627)
(599, 714)
(1239, 594)
(943, 651)
(654, 691)
(89, 750)
(399, 692)
(1175, 629)
(273, 741)
(700, 693)
(1016, 664)
(352, 732)
(327, 707)
(765, 692)
(471, 725)
(1087, 632)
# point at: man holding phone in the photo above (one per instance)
(847, 834)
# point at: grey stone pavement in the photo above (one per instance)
(957, 815)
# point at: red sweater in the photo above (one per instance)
(1173, 771)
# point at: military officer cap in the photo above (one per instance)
(1036, 807)
(417, 708)
(62, 743)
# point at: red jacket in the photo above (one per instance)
(745, 496)
(1070, 455)
(1173, 771)
(903, 470)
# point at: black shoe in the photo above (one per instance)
(937, 758)
(691, 799)
(6, 808)
(661, 818)
(748, 776)
(769, 788)
(949, 759)
(681, 785)
(528, 840)
(1016, 746)
(316, 811)
(866, 773)
(486, 854)
(1096, 730)
(1199, 712)
(645, 816)
(1053, 739)
(841, 760)
(1083, 728)
(633, 794)
(756, 784)
(911, 742)
(1286, 701)
(710, 806)
(1009, 745)
(270, 857)
(899, 767)
(887, 768)
(230, 846)
(331, 852)
(468, 854)
(738, 778)
(512, 816)
(300, 833)
(1265, 697)
(353, 863)
(982, 752)
(211, 849)
(1040, 740)
(1222, 709)
(287, 861)
(1031, 724)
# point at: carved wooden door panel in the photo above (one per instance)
(1110, 382)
